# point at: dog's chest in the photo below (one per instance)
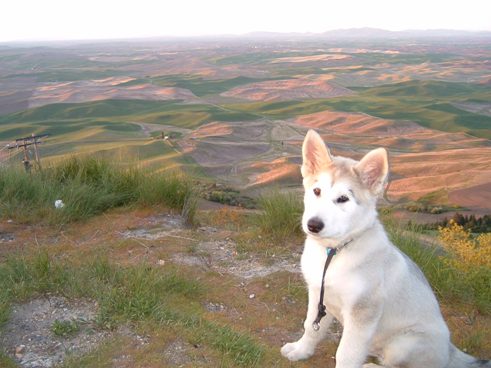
(342, 283)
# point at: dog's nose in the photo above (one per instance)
(315, 225)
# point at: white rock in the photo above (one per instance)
(59, 203)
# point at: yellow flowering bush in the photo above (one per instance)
(467, 252)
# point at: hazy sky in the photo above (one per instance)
(87, 19)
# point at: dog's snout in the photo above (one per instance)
(315, 225)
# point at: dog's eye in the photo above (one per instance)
(317, 191)
(342, 199)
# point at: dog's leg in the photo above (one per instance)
(304, 348)
(355, 342)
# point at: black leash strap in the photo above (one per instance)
(331, 252)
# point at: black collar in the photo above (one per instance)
(321, 308)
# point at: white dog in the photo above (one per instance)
(379, 295)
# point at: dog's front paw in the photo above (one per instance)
(296, 351)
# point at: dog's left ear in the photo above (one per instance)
(373, 170)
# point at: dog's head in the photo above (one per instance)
(340, 193)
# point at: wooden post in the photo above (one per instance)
(26, 161)
(27, 141)
(36, 152)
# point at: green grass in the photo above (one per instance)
(202, 87)
(281, 215)
(134, 294)
(70, 74)
(449, 283)
(115, 116)
(87, 186)
(65, 328)
(428, 103)
(6, 362)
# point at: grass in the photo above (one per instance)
(202, 87)
(65, 328)
(6, 362)
(132, 294)
(449, 282)
(111, 113)
(87, 186)
(428, 103)
(281, 214)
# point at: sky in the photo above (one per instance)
(31, 20)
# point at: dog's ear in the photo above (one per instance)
(315, 154)
(373, 170)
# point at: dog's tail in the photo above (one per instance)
(459, 359)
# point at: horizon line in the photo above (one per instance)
(251, 33)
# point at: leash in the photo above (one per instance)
(321, 308)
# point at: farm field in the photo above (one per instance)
(426, 101)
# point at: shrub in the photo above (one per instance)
(466, 252)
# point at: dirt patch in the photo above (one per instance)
(221, 155)
(167, 225)
(288, 89)
(313, 58)
(211, 130)
(478, 196)
(29, 335)
(103, 89)
(222, 257)
(180, 353)
(274, 171)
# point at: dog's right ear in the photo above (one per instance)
(315, 154)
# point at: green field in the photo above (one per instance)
(427, 103)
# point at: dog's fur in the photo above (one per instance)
(379, 295)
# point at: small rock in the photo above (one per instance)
(20, 349)
(161, 262)
(252, 296)
(10, 221)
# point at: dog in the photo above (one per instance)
(382, 299)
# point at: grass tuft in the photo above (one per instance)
(281, 215)
(65, 328)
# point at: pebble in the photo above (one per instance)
(20, 349)
(252, 296)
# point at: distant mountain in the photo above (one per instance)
(371, 33)
(382, 33)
